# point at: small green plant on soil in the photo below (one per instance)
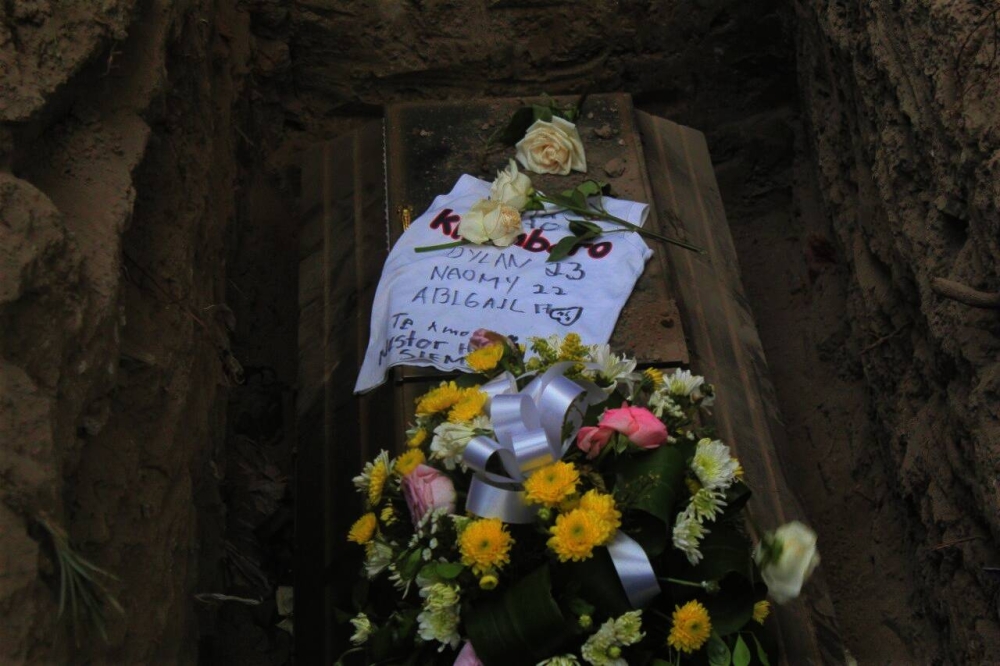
(79, 587)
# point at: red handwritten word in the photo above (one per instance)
(447, 221)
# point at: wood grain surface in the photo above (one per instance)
(726, 348)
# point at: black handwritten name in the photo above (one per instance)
(410, 346)
(448, 274)
(466, 299)
(473, 256)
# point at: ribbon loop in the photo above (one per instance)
(533, 428)
(634, 570)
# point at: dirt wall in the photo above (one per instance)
(902, 103)
(117, 181)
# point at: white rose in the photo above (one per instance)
(787, 559)
(491, 221)
(512, 187)
(553, 147)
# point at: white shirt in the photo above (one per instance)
(428, 304)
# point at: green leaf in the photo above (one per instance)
(524, 625)
(657, 478)
(519, 123)
(737, 496)
(761, 653)
(578, 606)
(599, 582)
(732, 607)
(359, 594)
(591, 188)
(542, 112)
(649, 532)
(741, 653)
(718, 652)
(411, 565)
(582, 227)
(725, 550)
(443, 570)
(562, 249)
(561, 200)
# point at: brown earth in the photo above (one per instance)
(148, 267)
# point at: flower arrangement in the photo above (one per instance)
(546, 141)
(559, 507)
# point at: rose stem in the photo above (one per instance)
(443, 246)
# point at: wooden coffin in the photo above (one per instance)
(687, 310)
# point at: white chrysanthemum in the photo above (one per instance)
(561, 660)
(628, 628)
(595, 650)
(363, 628)
(614, 633)
(715, 468)
(682, 383)
(363, 480)
(450, 440)
(688, 533)
(440, 616)
(378, 556)
(439, 596)
(707, 504)
(662, 404)
(611, 368)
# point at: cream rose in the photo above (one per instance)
(491, 221)
(552, 147)
(512, 187)
(787, 559)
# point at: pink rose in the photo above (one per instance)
(637, 423)
(426, 488)
(467, 657)
(482, 337)
(591, 439)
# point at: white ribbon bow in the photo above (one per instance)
(533, 428)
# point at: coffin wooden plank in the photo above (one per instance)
(428, 144)
(342, 249)
(725, 347)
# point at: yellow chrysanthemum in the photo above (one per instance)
(654, 376)
(691, 627)
(418, 438)
(761, 610)
(575, 535)
(485, 358)
(485, 545)
(388, 515)
(379, 474)
(469, 406)
(439, 399)
(572, 348)
(739, 472)
(408, 462)
(363, 529)
(552, 484)
(604, 509)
